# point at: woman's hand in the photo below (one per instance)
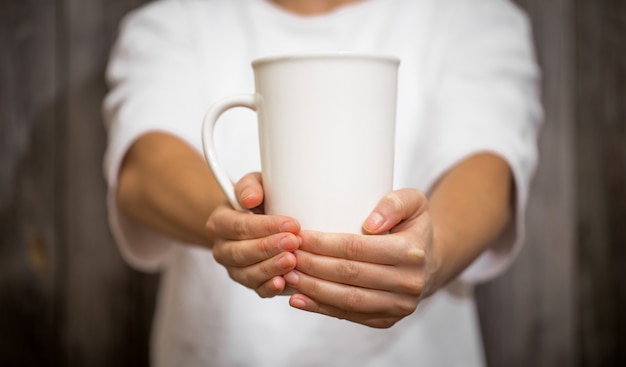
(414, 245)
(256, 250)
(374, 279)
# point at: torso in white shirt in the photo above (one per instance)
(203, 317)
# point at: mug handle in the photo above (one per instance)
(208, 142)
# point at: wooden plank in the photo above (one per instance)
(601, 157)
(528, 315)
(28, 245)
(105, 312)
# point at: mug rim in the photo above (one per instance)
(325, 55)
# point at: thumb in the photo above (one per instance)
(249, 190)
(394, 208)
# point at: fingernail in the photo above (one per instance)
(291, 278)
(374, 221)
(416, 254)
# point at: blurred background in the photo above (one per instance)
(67, 299)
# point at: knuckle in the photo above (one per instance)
(312, 289)
(218, 253)
(266, 269)
(305, 263)
(352, 299)
(383, 323)
(395, 202)
(267, 290)
(266, 247)
(413, 251)
(246, 279)
(412, 285)
(237, 255)
(211, 227)
(216, 221)
(405, 306)
(263, 293)
(240, 226)
(354, 247)
(414, 256)
(406, 250)
(269, 225)
(348, 271)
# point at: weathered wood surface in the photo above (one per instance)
(66, 297)
(102, 306)
(601, 178)
(28, 247)
(563, 302)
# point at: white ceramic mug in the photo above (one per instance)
(326, 131)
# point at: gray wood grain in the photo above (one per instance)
(28, 234)
(66, 297)
(601, 178)
(102, 305)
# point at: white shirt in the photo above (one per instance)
(467, 84)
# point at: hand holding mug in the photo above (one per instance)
(375, 280)
(256, 250)
(326, 133)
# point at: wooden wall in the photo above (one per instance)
(67, 299)
(600, 156)
(563, 301)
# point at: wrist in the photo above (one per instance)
(444, 263)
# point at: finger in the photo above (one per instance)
(228, 223)
(349, 299)
(257, 275)
(406, 279)
(248, 252)
(390, 249)
(271, 288)
(375, 320)
(249, 190)
(394, 208)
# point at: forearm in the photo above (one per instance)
(470, 206)
(166, 185)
